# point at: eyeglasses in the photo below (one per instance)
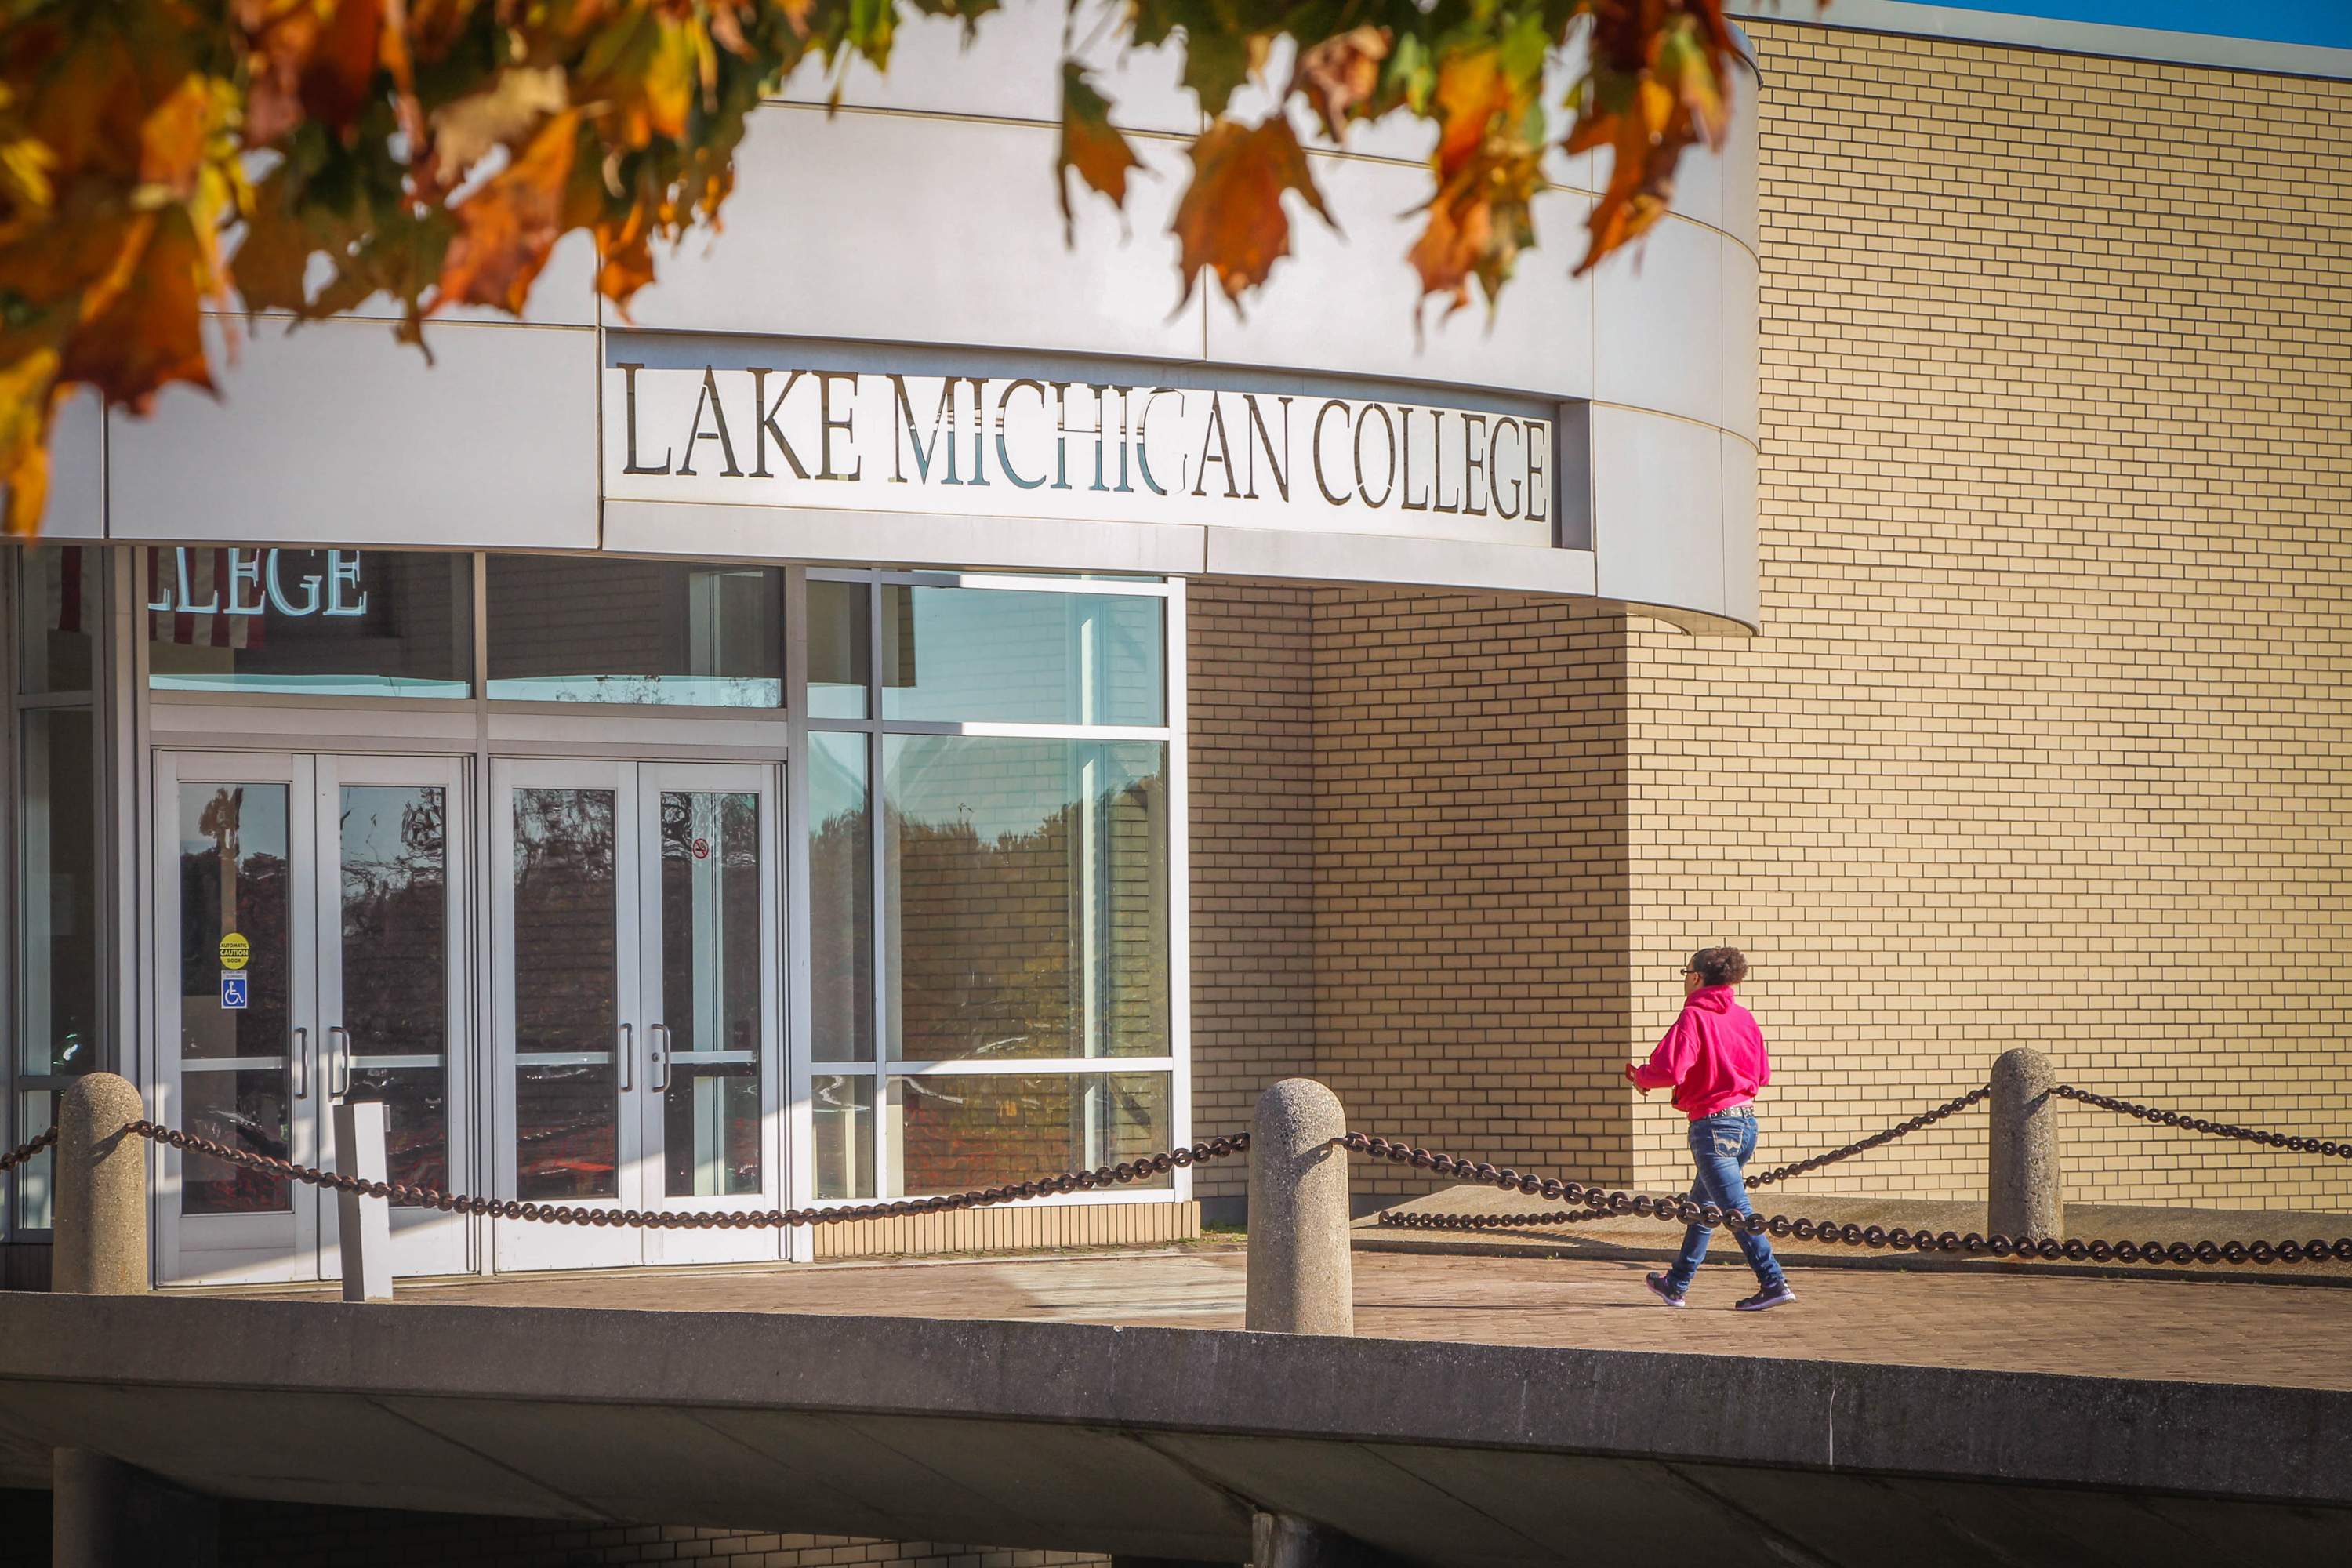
(1685, 971)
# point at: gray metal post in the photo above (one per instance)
(2025, 1195)
(364, 1225)
(1299, 1280)
(100, 1243)
(104, 1513)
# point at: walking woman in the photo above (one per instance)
(1713, 1060)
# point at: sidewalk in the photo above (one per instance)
(1631, 1237)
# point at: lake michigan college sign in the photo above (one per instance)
(1041, 441)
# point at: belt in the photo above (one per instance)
(1746, 1108)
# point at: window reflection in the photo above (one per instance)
(568, 630)
(1012, 656)
(1026, 882)
(320, 622)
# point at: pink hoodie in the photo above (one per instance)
(1714, 1056)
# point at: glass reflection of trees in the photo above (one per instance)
(395, 971)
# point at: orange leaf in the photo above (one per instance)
(29, 397)
(1090, 146)
(1472, 89)
(1232, 217)
(506, 229)
(149, 332)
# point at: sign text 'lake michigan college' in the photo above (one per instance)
(1017, 446)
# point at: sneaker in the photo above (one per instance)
(1764, 1301)
(1666, 1294)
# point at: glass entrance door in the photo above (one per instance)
(236, 970)
(635, 1004)
(310, 939)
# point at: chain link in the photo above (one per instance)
(2301, 1145)
(1675, 1209)
(18, 1156)
(663, 1219)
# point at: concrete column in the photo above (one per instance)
(1128, 1560)
(1299, 1277)
(107, 1514)
(101, 1191)
(2025, 1195)
(1281, 1541)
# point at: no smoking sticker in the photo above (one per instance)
(702, 848)
(236, 952)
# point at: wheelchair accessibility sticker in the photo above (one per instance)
(233, 991)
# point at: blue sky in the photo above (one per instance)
(2327, 23)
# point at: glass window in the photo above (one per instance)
(844, 1136)
(566, 967)
(840, 651)
(56, 618)
(712, 958)
(235, 1067)
(320, 622)
(57, 886)
(948, 1133)
(567, 630)
(1012, 657)
(1026, 892)
(395, 969)
(840, 900)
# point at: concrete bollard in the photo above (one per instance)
(101, 1191)
(2025, 1195)
(1299, 1277)
(363, 1226)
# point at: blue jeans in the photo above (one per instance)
(1720, 1145)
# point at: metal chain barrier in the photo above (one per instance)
(16, 1157)
(1675, 1209)
(2300, 1145)
(1952, 1107)
(559, 1214)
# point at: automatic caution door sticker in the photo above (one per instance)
(236, 952)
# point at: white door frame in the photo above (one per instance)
(423, 1240)
(253, 1248)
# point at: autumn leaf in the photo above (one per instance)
(502, 114)
(506, 229)
(148, 333)
(29, 397)
(1090, 147)
(1339, 74)
(1231, 218)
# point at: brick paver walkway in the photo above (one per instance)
(2199, 1329)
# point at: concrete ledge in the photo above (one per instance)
(158, 1381)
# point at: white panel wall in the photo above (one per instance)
(1657, 499)
(336, 433)
(76, 506)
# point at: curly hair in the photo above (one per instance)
(1720, 966)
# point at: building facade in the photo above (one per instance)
(805, 745)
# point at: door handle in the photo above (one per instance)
(628, 1057)
(301, 1063)
(658, 1038)
(339, 1044)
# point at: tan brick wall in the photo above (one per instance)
(1470, 865)
(1252, 814)
(2046, 741)
(1408, 868)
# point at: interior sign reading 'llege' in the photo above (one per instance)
(1035, 448)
